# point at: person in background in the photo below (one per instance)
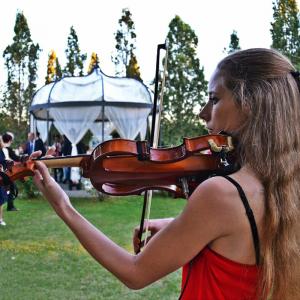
(3, 193)
(39, 144)
(81, 149)
(30, 144)
(10, 154)
(237, 237)
(34, 144)
(66, 150)
(58, 172)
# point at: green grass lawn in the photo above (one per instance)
(41, 259)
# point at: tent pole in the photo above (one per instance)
(103, 123)
(47, 128)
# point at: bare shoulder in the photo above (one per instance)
(211, 208)
(220, 198)
(215, 191)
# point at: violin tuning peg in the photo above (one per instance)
(230, 144)
(217, 149)
(213, 146)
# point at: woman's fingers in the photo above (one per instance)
(136, 241)
(138, 244)
(38, 180)
(43, 171)
(38, 154)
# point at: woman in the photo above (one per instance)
(226, 253)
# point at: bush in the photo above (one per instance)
(27, 189)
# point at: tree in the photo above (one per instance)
(234, 44)
(50, 67)
(21, 64)
(285, 29)
(133, 69)
(53, 69)
(75, 60)
(125, 44)
(185, 86)
(59, 72)
(94, 62)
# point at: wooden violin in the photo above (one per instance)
(127, 167)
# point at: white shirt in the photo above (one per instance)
(6, 154)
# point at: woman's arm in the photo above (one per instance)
(201, 222)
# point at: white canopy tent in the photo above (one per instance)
(95, 101)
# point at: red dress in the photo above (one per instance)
(214, 277)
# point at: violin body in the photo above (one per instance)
(126, 167)
(115, 179)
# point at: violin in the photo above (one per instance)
(127, 167)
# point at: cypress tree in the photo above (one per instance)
(51, 67)
(133, 69)
(75, 60)
(234, 44)
(185, 86)
(21, 63)
(124, 57)
(94, 62)
(285, 29)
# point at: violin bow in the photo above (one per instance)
(154, 138)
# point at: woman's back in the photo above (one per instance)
(228, 268)
(238, 245)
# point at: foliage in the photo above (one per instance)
(94, 62)
(285, 29)
(59, 72)
(27, 189)
(133, 69)
(75, 60)
(21, 64)
(185, 87)
(125, 37)
(234, 44)
(38, 252)
(53, 69)
(19, 131)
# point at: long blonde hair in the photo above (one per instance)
(266, 87)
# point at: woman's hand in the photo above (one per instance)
(154, 226)
(48, 186)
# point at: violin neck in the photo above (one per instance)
(64, 161)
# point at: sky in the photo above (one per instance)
(95, 23)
